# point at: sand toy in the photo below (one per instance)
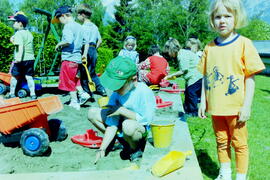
(161, 104)
(26, 124)
(174, 89)
(103, 101)
(91, 84)
(89, 139)
(165, 83)
(22, 89)
(169, 163)
(154, 87)
(162, 132)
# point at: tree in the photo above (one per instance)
(154, 21)
(256, 30)
(116, 31)
(5, 10)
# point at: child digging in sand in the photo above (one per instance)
(129, 112)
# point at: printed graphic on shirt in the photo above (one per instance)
(207, 82)
(232, 86)
(216, 79)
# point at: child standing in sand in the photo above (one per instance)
(129, 111)
(91, 42)
(229, 64)
(24, 56)
(129, 49)
(71, 45)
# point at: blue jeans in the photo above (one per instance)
(192, 96)
(91, 64)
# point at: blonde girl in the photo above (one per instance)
(229, 64)
(129, 49)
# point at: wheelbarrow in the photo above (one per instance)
(26, 124)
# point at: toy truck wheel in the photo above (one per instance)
(34, 142)
(3, 88)
(58, 130)
(22, 93)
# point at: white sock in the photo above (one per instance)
(225, 170)
(13, 84)
(31, 85)
(241, 176)
(80, 90)
(73, 96)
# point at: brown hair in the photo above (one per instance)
(84, 9)
(153, 49)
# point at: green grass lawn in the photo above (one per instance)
(259, 141)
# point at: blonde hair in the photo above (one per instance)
(130, 40)
(84, 9)
(233, 6)
(192, 42)
(171, 46)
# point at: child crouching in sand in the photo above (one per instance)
(130, 109)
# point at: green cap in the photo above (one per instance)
(117, 72)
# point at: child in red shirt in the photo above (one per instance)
(154, 68)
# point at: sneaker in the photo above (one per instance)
(84, 97)
(182, 117)
(101, 92)
(33, 97)
(75, 105)
(222, 177)
(136, 156)
(9, 96)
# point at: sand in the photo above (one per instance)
(66, 156)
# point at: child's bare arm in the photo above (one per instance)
(202, 108)
(110, 132)
(19, 55)
(124, 112)
(61, 45)
(244, 113)
(99, 43)
(176, 74)
(85, 51)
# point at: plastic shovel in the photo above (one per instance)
(91, 84)
(169, 163)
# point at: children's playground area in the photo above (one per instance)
(67, 159)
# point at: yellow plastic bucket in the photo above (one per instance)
(162, 132)
(169, 163)
(103, 101)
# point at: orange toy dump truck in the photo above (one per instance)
(26, 124)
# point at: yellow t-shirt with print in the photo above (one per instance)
(225, 67)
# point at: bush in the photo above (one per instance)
(104, 57)
(6, 47)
